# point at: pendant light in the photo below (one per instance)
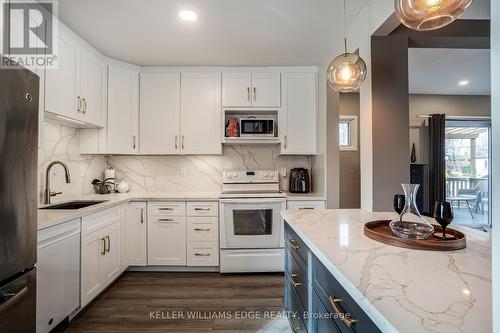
(421, 15)
(346, 72)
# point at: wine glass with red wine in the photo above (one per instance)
(443, 214)
(398, 203)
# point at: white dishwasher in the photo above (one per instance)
(58, 274)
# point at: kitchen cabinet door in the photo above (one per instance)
(159, 113)
(61, 84)
(166, 241)
(110, 263)
(93, 85)
(266, 89)
(136, 234)
(298, 120)
(91, 282)
(123, 110)
(201, 114)
(236, 89)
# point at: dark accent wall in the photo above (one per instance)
(350, 178)
(390, 117)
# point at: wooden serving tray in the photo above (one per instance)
(381, 232)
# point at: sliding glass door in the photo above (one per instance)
(468, 165)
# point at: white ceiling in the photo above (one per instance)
(438, 71)
(227, 33)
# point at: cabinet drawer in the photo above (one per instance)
(202, 229)
(203, 254)
(328, 290)
(322, 322)
(305, 204)
(202, 209)
(293, 306)
(99, 220)
(294, 244)
(297, 280)
(167, 208)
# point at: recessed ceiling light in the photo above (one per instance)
(463, 83)
(188, 15)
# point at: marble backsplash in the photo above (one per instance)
(151, 173)
(60, 142)
(202, 173)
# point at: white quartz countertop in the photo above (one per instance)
(48, 217)
(402, 290)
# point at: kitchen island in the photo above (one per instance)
(399, 290)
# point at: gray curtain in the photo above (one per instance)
(437, 163)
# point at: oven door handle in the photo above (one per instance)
(252, 200)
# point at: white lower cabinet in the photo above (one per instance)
(166, 238)
(58, 274)
(202, 234)
(135, 234)
(203, 254)
(101, 253)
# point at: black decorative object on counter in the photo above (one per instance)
(413, 153)
(398, 203)
(443, 214)
(299, 181)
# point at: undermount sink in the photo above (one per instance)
(74, 204)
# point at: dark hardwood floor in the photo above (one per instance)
(166, 302)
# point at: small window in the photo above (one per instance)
(348, 132)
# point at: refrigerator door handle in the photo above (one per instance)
(9, 298)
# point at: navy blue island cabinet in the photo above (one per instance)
(314, 299)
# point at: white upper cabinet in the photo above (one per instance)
(159, 113)
(201, 113)
(123, 110)
(251, 89)
(236, 89)
(266, 89)
(92, 88)
(61, 83)
(298, 121)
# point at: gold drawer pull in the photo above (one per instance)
(295, 326)
(201, 229)
(202, 209)
(293, 278)
(202, 254)
(306, 208)
(345, 317)
(294, 244)
(163, 208)
(165, 220)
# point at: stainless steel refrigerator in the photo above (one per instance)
(18, 198)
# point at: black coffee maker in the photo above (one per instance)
(299, 181)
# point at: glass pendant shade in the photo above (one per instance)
(346, 73)
(424, 15)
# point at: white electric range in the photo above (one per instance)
(251, 228)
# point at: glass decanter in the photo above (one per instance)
(410, 224)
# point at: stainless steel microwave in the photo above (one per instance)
(253, 126)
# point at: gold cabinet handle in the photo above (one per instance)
(248, 94)
(142, 215)
(294, 244)
(176, 140)
(295, 326)
(286, 141)
(84, 103)
(182, 143)
(79, 107)
(254, 94)
(165, 220)
(201, 229)
(103, 246)
(345, 317)
(306, 208)
(133, 142)
(109, 244)
(202, 254)
(165, 208)
(202, 209)
(295, 283)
